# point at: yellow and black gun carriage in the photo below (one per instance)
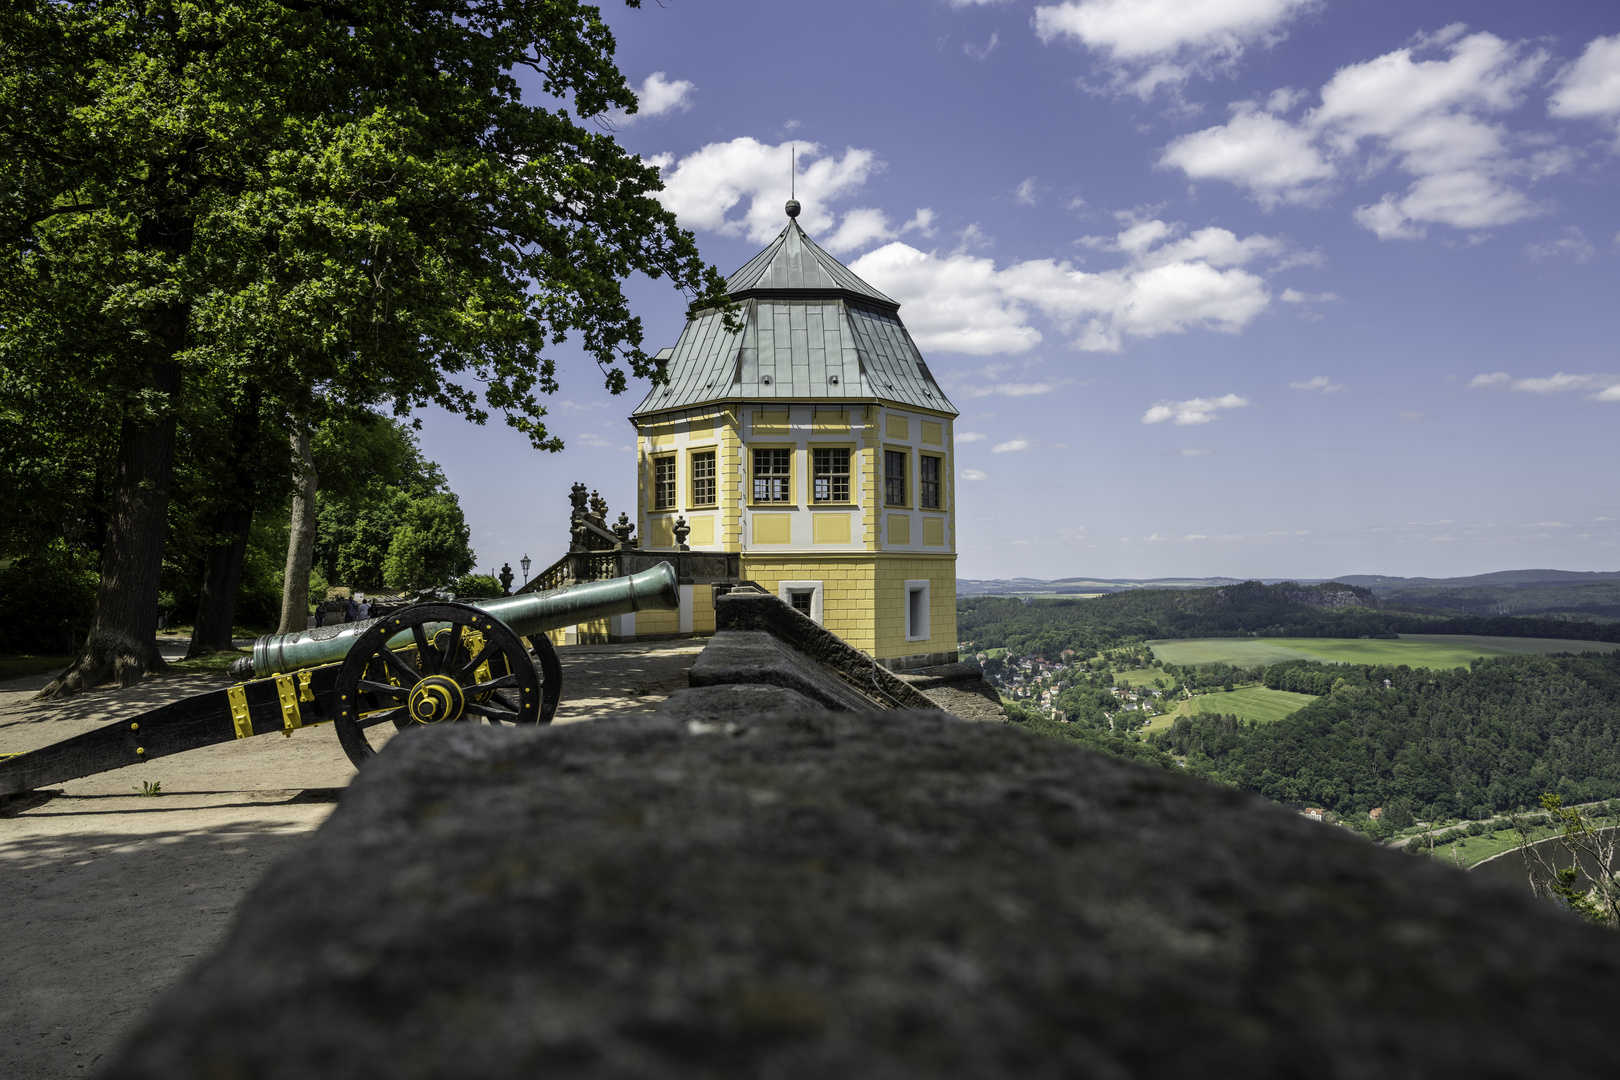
(427, 664)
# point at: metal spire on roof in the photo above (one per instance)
(793, 190)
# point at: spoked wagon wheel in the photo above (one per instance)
(469, 668)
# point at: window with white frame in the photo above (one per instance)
(917, 610)
(804, 596)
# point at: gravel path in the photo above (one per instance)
(107, 896)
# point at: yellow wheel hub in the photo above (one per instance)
(437, 699)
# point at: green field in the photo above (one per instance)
(1413, 650)
(1249, 702)
(1141, 677)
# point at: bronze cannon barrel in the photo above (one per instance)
(526, 615)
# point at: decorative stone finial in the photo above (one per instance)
(793, 208)
(506, 579)
(682, 530)
(623, 530)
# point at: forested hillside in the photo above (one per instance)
(1047, 627)
(1433, 744)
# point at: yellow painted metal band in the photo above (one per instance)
(287, 691)
(306, 692)
(240, 718)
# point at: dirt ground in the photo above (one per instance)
(106, 895)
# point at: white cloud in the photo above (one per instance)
(1408, 417)
(971, 474)
(1011, 446)
(1572, 243)
(1274, 159)
(863, 225)
(1429, 117)
(1196, 451)
(963, 303)
(1320, 382)
(969, 436)
(979, 52)
(659, 94)
(1028, 192)
(1604, 387)
(1294, 296)
(1193, 410)
(1590, 87)
(706, 186)
(1148, 44)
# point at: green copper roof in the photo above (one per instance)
(811, 331)
(795, 264)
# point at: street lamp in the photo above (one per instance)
(524, 562)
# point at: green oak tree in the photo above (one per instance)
(335, 202)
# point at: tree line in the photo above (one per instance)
(1464, 743)
(231, 227)
(1048, 626)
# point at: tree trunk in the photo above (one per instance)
(122, 643)
(222, 564)
(300, 541)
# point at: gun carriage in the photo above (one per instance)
(428, 664)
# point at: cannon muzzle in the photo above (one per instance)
(526, 615)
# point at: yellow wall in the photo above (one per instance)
(864, 597)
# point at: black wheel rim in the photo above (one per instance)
(456, 664)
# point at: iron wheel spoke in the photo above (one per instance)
(490, 646)
(423, 649)
(373, 719)
(494, 714)
(367, 686)
(401, 668)
(447, 665)
(494, 684)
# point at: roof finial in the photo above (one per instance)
(793, 203)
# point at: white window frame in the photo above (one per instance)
(918, 593)
(786, 589)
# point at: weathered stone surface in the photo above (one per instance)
(747, 610)
(755, 658)
(958, 689)
(881, 895)
(725, 703)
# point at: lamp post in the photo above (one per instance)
(524, 562)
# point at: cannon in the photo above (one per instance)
(428, 664)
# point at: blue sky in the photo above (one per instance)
(1220, 287)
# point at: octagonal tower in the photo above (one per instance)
(816, 443)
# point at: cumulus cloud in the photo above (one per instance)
(970, 474)
(1603, 387)
(1294, 296)
(659, 94)
(705, 187)
(1430, 117)
(1011, 446)
(1320, 382)
(1590, 87)
(1193, 410)
(1146, 45)
(969, 436)
(1167, 284)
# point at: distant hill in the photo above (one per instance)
(1565, 595)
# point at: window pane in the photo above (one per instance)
(703, 479)
(773, 474)
(928, 482)
(663, 483)
(832, 474)
(894, 477)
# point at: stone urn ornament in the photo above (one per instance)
(681, 530)
(623, 530)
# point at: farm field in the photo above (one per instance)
(1249, 702)
(1140, 677)
(1413, 650)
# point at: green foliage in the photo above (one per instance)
(151, 789)
(476, 586)
(1436, 744)
(1033, 721)
(47, 597)
(1285, 610)
(430, 546)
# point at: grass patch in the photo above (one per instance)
(1242, 652)
(1141, 678)
(1256, 703)
(1413, 650)
(21, 667)
(219, 662)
